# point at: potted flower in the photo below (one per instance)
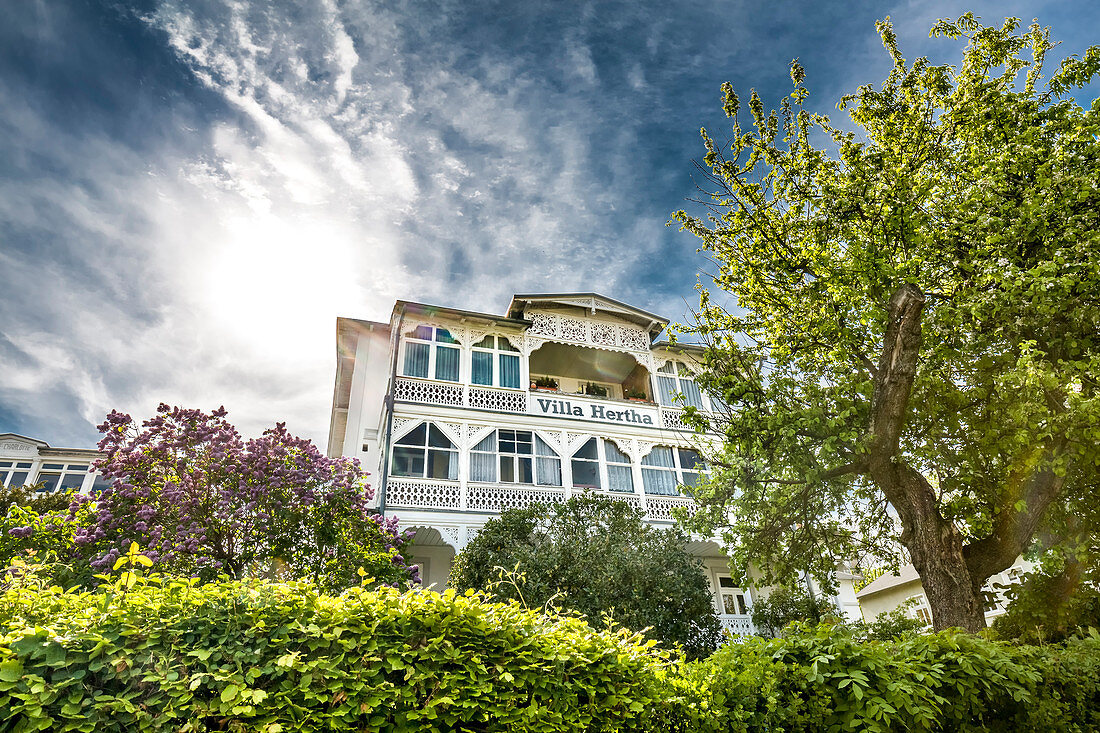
(545, 384)
(636, 395)
(595, 390)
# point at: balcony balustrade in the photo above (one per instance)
(736, 624)
(410, 493)
(604, 410)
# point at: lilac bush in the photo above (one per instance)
(202, 501)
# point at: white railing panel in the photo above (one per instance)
(427, 392)
(736, 624)
(497, 498)
(414, 494)
(500, 400)
(660, 507)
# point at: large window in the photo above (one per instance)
(495, 363)
(431, 351)
(587, 470)
(425, 452)
(515, 457)
(674, 379)
(61, 476)
(665, 468)
(14, 474)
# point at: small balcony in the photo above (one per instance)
(439, 495)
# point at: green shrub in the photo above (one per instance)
(822, 679)
(260, 656)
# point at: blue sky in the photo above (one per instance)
(192, 192)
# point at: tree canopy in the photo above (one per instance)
(913, 354)
(597, 557)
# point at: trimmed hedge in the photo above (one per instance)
(821, 679)
(259, 656)
(277, 657)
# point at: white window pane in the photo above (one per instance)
(481, 363)
(692, 396)
(483, 467)
(620, 478)
(666, 391)
(509, 371)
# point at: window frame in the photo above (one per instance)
(426, 450)
(434, 344)
(740, 597)
(497, 353)
(676, 469)
(516, 458)
(603, 467)
(680, 373)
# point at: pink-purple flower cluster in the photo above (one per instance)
(200, 499)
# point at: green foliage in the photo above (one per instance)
(34, 498)
(786, 605)
(168, 654)
(35, 532)
(971, 188)
(597, 557)
(1040, 610)
(822, 679)
(155, 653)
(896, 624)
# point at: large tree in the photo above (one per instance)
(913, 350)
(597, 557)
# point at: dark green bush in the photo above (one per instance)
(260, 656)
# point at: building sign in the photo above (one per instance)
(615, 412)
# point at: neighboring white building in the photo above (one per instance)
(26, 461)
(889, 591)
(460, 415)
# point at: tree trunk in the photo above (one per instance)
(933, 542)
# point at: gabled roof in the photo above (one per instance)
(886, 581)
(426, 309)
(652, 322)
(24, 439)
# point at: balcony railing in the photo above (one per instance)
(410, 493)
(550, 404)
(736, 624)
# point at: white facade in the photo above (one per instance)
(459, 415)
(25, 461)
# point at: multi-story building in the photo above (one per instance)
(26, 461)
(461, 415)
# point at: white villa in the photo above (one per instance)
(460, 415)
(26, 461)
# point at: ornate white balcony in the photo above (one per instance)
(574, 407)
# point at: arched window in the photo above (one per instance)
(494, 362)
(515, 457)
(674, 379)
(430, 350)
(666, 468)
(425, 452)
(587, 470)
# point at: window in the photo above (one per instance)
(425, 452)
(665, 468)
(589, 472)
(515, 457)
(586, 466)
(61, 476)
(731, 598)
(674, 379)
(495, 363)
(431, 351)
(14, 474)
(620, 477)
(921, 611)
